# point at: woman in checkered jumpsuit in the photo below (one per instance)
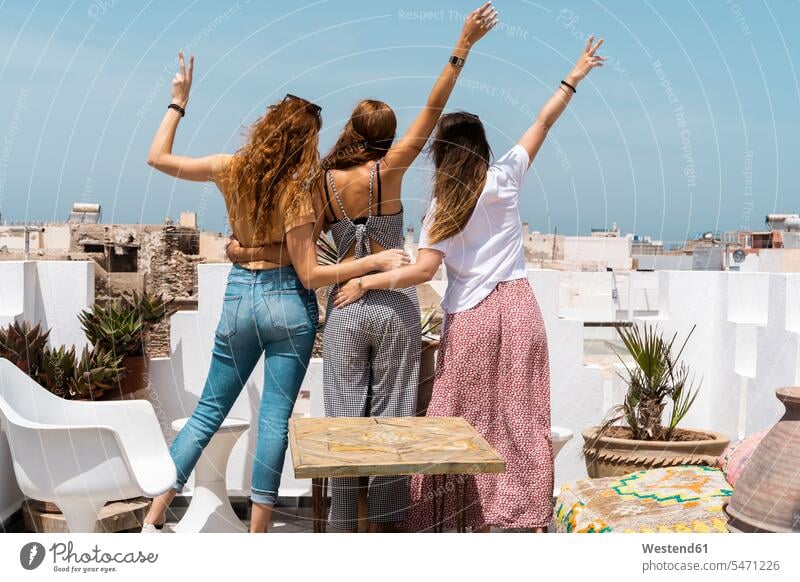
(371, 347)
(370, 352)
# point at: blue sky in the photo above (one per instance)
(691, 126)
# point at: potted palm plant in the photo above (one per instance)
(636, 434)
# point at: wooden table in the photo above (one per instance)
(323, 448)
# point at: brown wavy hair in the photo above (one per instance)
(367, 136)
(278, 162)
(461, 155)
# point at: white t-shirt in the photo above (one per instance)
(489, 249)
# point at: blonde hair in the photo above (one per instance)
(460, 153)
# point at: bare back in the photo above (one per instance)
(349, 215)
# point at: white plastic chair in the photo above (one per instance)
(81, 455)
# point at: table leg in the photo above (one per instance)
(319, 487)
(363, 505)
(439, 485)
(461, 503)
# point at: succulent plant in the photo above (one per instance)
(56, 369)
(116, 327)
(22, 345)
(151, 308)
(96, 371)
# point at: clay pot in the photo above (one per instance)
(135, 379)
(611, 457)
(766, 497)
(427, 370)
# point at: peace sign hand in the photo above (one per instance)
(588, 60)
(182, 82)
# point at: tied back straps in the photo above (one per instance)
(360, 231)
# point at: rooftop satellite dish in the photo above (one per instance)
(739, 256)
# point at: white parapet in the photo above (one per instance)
(576, 390)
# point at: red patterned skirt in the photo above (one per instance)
(493, 369)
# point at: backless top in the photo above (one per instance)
(385, 229)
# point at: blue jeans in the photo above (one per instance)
(264, 312)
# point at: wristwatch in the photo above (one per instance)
(457, 61)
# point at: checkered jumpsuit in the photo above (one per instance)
(371, 356)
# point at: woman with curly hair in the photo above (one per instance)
(269, 306)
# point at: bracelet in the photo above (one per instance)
(457, 61)
(570, 86)
(361, 283)
(177, 108)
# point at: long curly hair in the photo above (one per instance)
(367, 136)
(277, 164)
(461, 156)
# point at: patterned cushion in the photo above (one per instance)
(686, 499)
(734, 459)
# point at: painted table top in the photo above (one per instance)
(359, 447)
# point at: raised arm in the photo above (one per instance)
(428, 262)
(533, 139)
(160, 156)
(407, 148)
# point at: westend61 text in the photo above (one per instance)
(675, 549)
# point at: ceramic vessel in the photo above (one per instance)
(610, 456)
(767, 494)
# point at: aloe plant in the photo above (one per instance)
(151, 308)
(22, 345)
(116, 327)
(56, 369)
(95, 372)
(655, 378)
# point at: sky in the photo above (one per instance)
(691, 126)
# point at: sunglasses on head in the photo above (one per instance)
(314, 107)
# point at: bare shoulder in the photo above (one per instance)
(220, 163)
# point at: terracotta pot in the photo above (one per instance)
(427, 370)
(135, 379)
(767, 494)
(611, 457)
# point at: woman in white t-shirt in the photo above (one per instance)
(493, 366)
